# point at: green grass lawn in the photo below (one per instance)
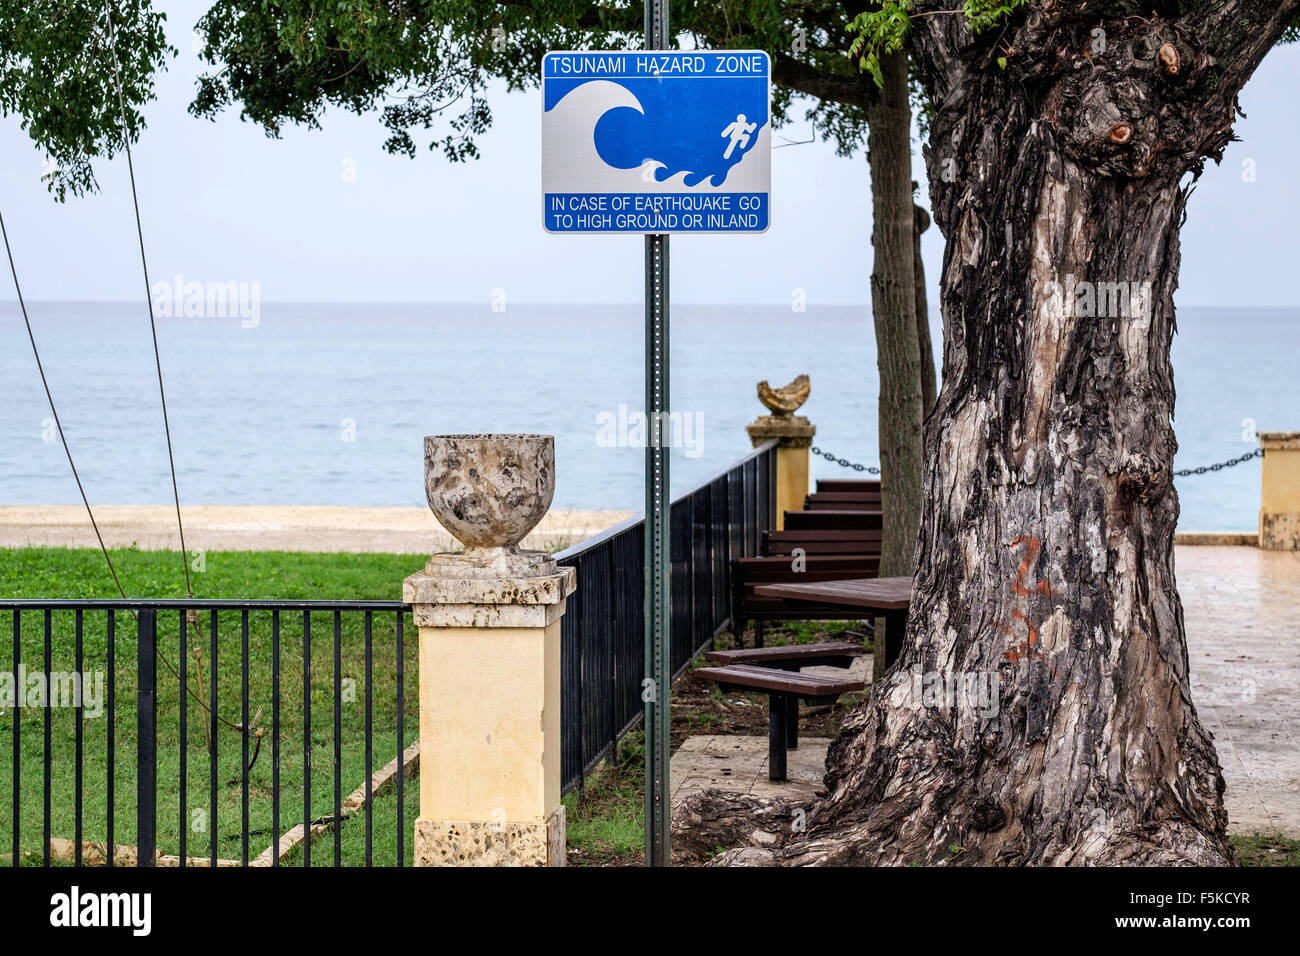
(605, 824)
(61, 573)
(1266, 850)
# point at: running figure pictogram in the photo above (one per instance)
(739, 132)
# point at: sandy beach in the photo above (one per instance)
(312, 528)
(258, 528)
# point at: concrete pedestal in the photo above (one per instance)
(489, 716)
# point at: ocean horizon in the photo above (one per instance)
(328, 403)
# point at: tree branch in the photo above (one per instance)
(850, 90)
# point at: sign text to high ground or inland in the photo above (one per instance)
(657, 142)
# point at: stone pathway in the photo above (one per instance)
(1242, 613)
(739, 764)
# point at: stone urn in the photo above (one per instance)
(489, 491)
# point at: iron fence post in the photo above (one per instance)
(146, 715)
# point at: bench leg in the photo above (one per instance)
(776, 736)
(758, 633)
(792, 723)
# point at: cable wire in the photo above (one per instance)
(148, 295)
(40, 366)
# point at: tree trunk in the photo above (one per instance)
(1045, 590)
(893, 304)
(920, 223)
(898, 355)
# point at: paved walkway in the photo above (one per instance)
(739, 764)
(1242, 613)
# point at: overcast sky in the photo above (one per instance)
(221, 202)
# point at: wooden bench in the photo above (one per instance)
(836, 520)
(848, 484)
(825, 654)
(890, 598)
(749, 573)
(826, 556)
(856, 541)
(784, 690)
(842, 501)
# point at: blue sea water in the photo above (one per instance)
(327, 404)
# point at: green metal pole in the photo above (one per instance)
(658, 648)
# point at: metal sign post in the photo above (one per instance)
(656, 141)
(658, 648)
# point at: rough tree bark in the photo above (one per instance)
(1047, 542)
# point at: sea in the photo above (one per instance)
(310, 404)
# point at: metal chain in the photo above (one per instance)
(1181, 473)
(1202, 469)
(844, 462)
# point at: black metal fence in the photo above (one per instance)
(603, 628)
(192, 732)
(119, 783)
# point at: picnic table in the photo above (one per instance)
(890, 596)
(784, 690)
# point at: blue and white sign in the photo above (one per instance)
(656, 141)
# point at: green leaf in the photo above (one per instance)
(874, 67)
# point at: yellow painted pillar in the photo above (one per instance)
(792, 471)
(794, 434)
(1279, 506)
(489, 716)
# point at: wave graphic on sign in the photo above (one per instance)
(609, 139)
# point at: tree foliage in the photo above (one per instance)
(57, 75)
(426, 64)
(422, 65)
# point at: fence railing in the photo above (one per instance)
(117, 772)
(189, 732)
(603, 628)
